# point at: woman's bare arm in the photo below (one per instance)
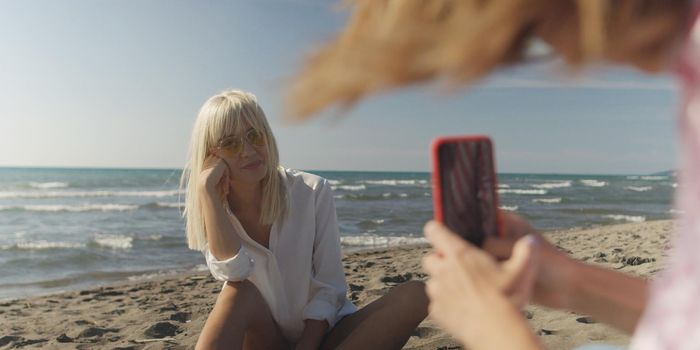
(223, 243)
(565, 283)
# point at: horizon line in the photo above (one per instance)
(328, 171)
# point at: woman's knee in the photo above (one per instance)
(412, 294)
(233, 313)
(241, 292)
(413, 289)
(245, 285)
(245, 297)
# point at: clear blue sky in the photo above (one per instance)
(118, 84)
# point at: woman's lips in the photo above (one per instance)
(252, 165)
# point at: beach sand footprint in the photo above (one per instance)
(544, 331)
(91, 332)
(355, 287)
(425, 332)
(63, 338)
(162, 330)
(182, 317)
(397, 278)
(18, 342)
(586, 320)
(169, 307)
(109, 293)
(9, 339)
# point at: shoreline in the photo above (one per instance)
(121, 277)
(169, 311)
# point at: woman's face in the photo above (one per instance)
(246, 155)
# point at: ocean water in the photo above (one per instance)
(63, 229)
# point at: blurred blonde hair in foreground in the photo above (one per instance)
(392, 43)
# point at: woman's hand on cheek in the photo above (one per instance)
(216, 175)
(466, 283)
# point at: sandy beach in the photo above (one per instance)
(169, 312)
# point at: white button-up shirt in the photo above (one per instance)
(301, 275)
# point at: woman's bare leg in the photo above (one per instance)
(241, 319)
(386, 323)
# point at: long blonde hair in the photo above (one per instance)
(223, 115)
(391, 43)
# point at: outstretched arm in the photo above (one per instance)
(564, 283)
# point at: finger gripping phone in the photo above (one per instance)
(464, 186)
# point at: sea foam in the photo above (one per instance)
(379, 241)
(395, 182)
(81, 194)
(69, 208)
(547, 200)
(349, 188)
(628, 218)
(519, 191)
(551, 185)
(594, 183)
(654, 178)
(42, 244)
(47, 185)
(170, 205)
(112, 241)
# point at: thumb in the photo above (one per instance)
(522, 252)
(521, 265)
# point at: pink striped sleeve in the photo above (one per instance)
(672, 317)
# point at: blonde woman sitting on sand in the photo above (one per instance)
(271, 233)
(391, 43)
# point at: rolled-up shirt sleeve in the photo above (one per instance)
(237, 268)
(328, 285)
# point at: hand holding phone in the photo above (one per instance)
(464, 186)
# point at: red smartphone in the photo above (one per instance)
(464, 186)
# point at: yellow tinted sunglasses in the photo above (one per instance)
(234, 144)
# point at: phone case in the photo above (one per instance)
(437, 176)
